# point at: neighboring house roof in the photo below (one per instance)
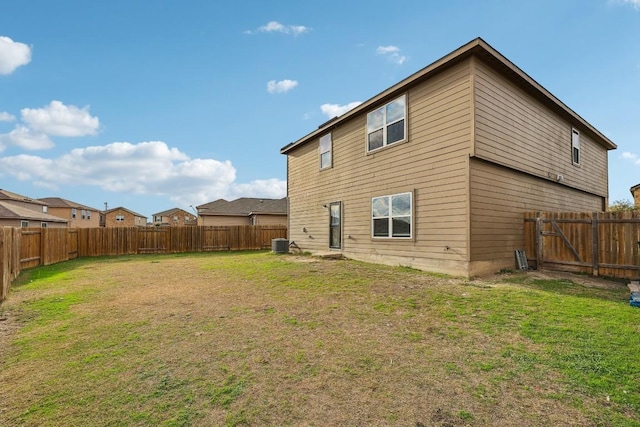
(169, 212)
(124, 209)
(244, 206)
(487, 53)
(8, 195)
(58, 202)
(272, 207)
(634, 189)
(10, 211)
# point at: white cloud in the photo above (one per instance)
(57, 119)
(12, 55)
(392, 53)
(276, 27)
(6, 117)
(627, 155)
(633, 3)
(146, 168)
(333, 110)
(25, 138)
(282, 86)
(383, 50)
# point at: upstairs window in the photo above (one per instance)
(88, 214)
(74, 213)
(387, 124)
(119, 218)
(575, 147)
(392, 215)
(45, 209)
(84, 214)
(325, 151)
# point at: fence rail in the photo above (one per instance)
(597, 243)
(22, 248)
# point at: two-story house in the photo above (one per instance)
(77, 215)
(21, 211)
(436, 171)
(122, 217)
(175, 217)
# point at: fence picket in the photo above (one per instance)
(606, 243)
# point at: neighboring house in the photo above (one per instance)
(79, 216)
(243, 211)
(122, 217)
(436, 171)
(635, 192)
(173, 218)
(20, 211)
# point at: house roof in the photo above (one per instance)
(483, 50)
(58, 202)
(8, 195)
(170, 212)
(634, 189)
(124, 209)
(244, 206)
(11, 211)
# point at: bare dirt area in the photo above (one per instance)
(295, 340)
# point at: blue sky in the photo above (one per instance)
(153, 104)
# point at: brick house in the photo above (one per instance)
(122, 217)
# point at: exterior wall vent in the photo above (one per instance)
(280, 246)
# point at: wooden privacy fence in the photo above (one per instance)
(30, 247)
(597, 243)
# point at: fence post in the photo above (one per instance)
(595, 243)
(539, 244)
(4, 267)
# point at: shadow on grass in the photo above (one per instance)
(569, 288)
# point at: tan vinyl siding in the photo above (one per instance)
(78, 221)
(432, 164)
(5, 222)
(499, 197)
(515, 130)
(270, 220)
(223, 220)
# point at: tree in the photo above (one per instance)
(623, 205)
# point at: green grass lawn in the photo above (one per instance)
(258, 339)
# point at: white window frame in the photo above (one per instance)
(326, 151)
(24, 224)
(84, 214)
(389, 216)
(89, 215)
(45, 209)
(575, 147)
(383, 111)
(120, 218)
(74, 213)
